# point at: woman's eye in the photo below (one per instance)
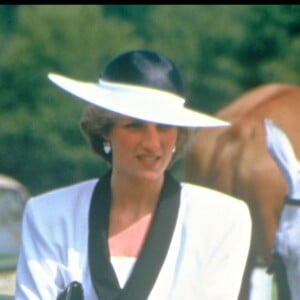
(164, 127)
(134, 125)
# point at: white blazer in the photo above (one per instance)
(206, 257)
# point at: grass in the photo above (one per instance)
(6, 297)
(274, 291)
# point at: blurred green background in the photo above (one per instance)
(222, 51)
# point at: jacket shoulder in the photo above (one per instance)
(64, 195)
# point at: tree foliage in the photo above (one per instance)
(222, 51)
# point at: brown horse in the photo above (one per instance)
(235, 160)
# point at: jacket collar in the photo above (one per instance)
(153, 253)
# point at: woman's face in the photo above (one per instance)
(141, 150)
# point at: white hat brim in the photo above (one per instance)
(137, 102)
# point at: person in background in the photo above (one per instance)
(137, 232)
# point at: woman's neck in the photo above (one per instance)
(132, 207)
(140, 196)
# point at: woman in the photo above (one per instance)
(136, 233)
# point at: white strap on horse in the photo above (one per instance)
(281, 150)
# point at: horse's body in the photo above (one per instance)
(235, 160)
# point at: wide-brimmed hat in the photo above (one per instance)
(143, 85)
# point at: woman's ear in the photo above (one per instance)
(106, 136)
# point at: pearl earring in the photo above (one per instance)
(174, 149)
(106, 147)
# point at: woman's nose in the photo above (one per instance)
(151, 137)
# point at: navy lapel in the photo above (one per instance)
(154, 250)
